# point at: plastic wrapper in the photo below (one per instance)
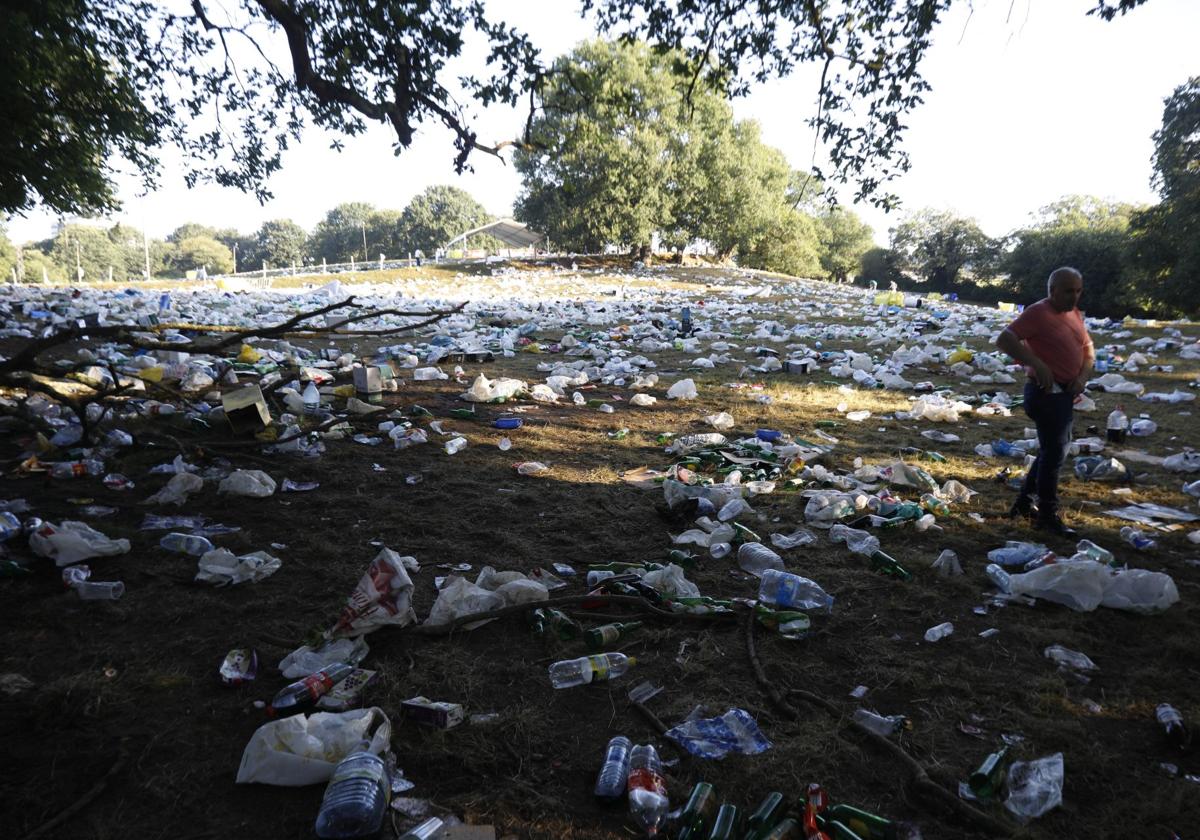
(714, 738)
(684, 389)
(255, 484)
(73, 542)
(382, 597)
(307, 660)
(671, 582)
(1034, 787)
(486, 390)
(177, 490)
(222, 568)
(304, 749)
(460, 597)
(239, 666)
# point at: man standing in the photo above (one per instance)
(1050, 339)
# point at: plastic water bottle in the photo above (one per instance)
(756, 558)
(1006, 449)
(455, 445)
(1015, 553)
(185, 544)
(784, 589)
(604, 666)
(939, 632)
(1117, 425)
(1001, 579)
(1095, 552)
(427, 830)
(312, 399)
(860, 542)
(304, 694)
(614, 773)
(879, 724)
(648, 801)
(1137, 539)
(357, 796)
(75, 469)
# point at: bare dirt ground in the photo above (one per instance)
(126, 694)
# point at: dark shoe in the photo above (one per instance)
(1023, 506)
(1054, 525)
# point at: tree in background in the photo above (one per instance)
(339, 236)
(280, 243)
(76, 248)
(1084, 232)
(844, 239)
(437, 215)
(942, 249)
(1165, 239)
(881, 266)
(599, 167)
(196, 252)
(8, 257)
(133, 250)
(792, 246)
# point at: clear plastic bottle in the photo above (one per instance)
(784, 589)
(427, 830)
(189, 544)
(877, 723)
(1000, 578)
(311, 398)
(603, 666)
(756, 558)
(1117, 425)
(1095, 552)
(1137, 539)
(75, 469)
(357, 796)
(860, 542)
(455, 445)
(939, 632)
(648, 801)
(614, 773)
(304, 694)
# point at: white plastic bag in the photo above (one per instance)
(671, 582)
(253, 483)
(642, 400)
(1034, 787)
(485, 390)
(307, 660)
(72, 542)
(684, 389)
(304, 749)
(460, 597)
(221, 567)
(722, 421)
(177, 490)
(1140, 590)
(1079, 585)
(382, 597)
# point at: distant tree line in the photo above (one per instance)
(354, 230)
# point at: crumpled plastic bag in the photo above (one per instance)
(906, 475)
(937, 408)
(823, 509)
(253, 483)
(382, 597)
(522, 591)
(460, 597)
(304, 749)
(1115, 383)
(799, 537)
(1034, 787)
(307, 660)
(671, 582)
(714, 738)
(1140, 590)
(689, 443)
(72, 542)
(1079, 585)
(956, 492)
(177, 490)
(722, 421)
(1182, 462)
(1099, 468)
(221, 567)
(642, 400)
(486, 390)
(684, 389)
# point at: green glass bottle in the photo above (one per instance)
(743, 534)
(726, 825)
(542, 620)
(600, 638)
(887, 565)
(862, 824)
(683, 559)
(788, 623)
(765, 816)
(789, 829)
(986, 780)
(698, 813)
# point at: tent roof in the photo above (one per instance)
(507, 231)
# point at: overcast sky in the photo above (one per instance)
(1032, 100)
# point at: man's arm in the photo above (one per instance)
(1013, 346)
(1089, 363)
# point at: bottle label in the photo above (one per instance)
(599, 665)
(317, 684)
(646, 779)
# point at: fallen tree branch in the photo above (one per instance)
(80, 803)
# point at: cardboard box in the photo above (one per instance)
(799, 365)
(367, 380)
(246, 410)
(426, 711)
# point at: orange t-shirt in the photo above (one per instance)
(1057, 338)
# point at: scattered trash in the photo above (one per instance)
(714, 738)
(1034, 787)
(304, 749)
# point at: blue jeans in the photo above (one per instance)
(1052, 414)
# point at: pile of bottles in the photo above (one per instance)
(635, 773)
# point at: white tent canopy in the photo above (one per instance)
(508, 231)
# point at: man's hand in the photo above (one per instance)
(1045, 379)
(1078, 385)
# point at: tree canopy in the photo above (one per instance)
(92, 85)
(436, 216)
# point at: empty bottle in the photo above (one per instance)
(185, 544)
(614, 773)
(1173, 727)
(789, 829)
(1095, 552)
(455, 445)
(1015, 553)
(312, 399)
(986, 780)
(563, 625)
(879, 724)
(888, 565)
(725, 826)
(1117, 425)
(648, 801)
(427, 830)
(304, 694)
(1001, 579)
(816, 801)
(784, 589)
(860, 542)
(765, 815)
(935, 505)
(698, 813)
(840, 819)
(356, 798)
(1137, 539)
(939, 632)
(756, 558)
(76, 469)
(605, 666)
(604, 636)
